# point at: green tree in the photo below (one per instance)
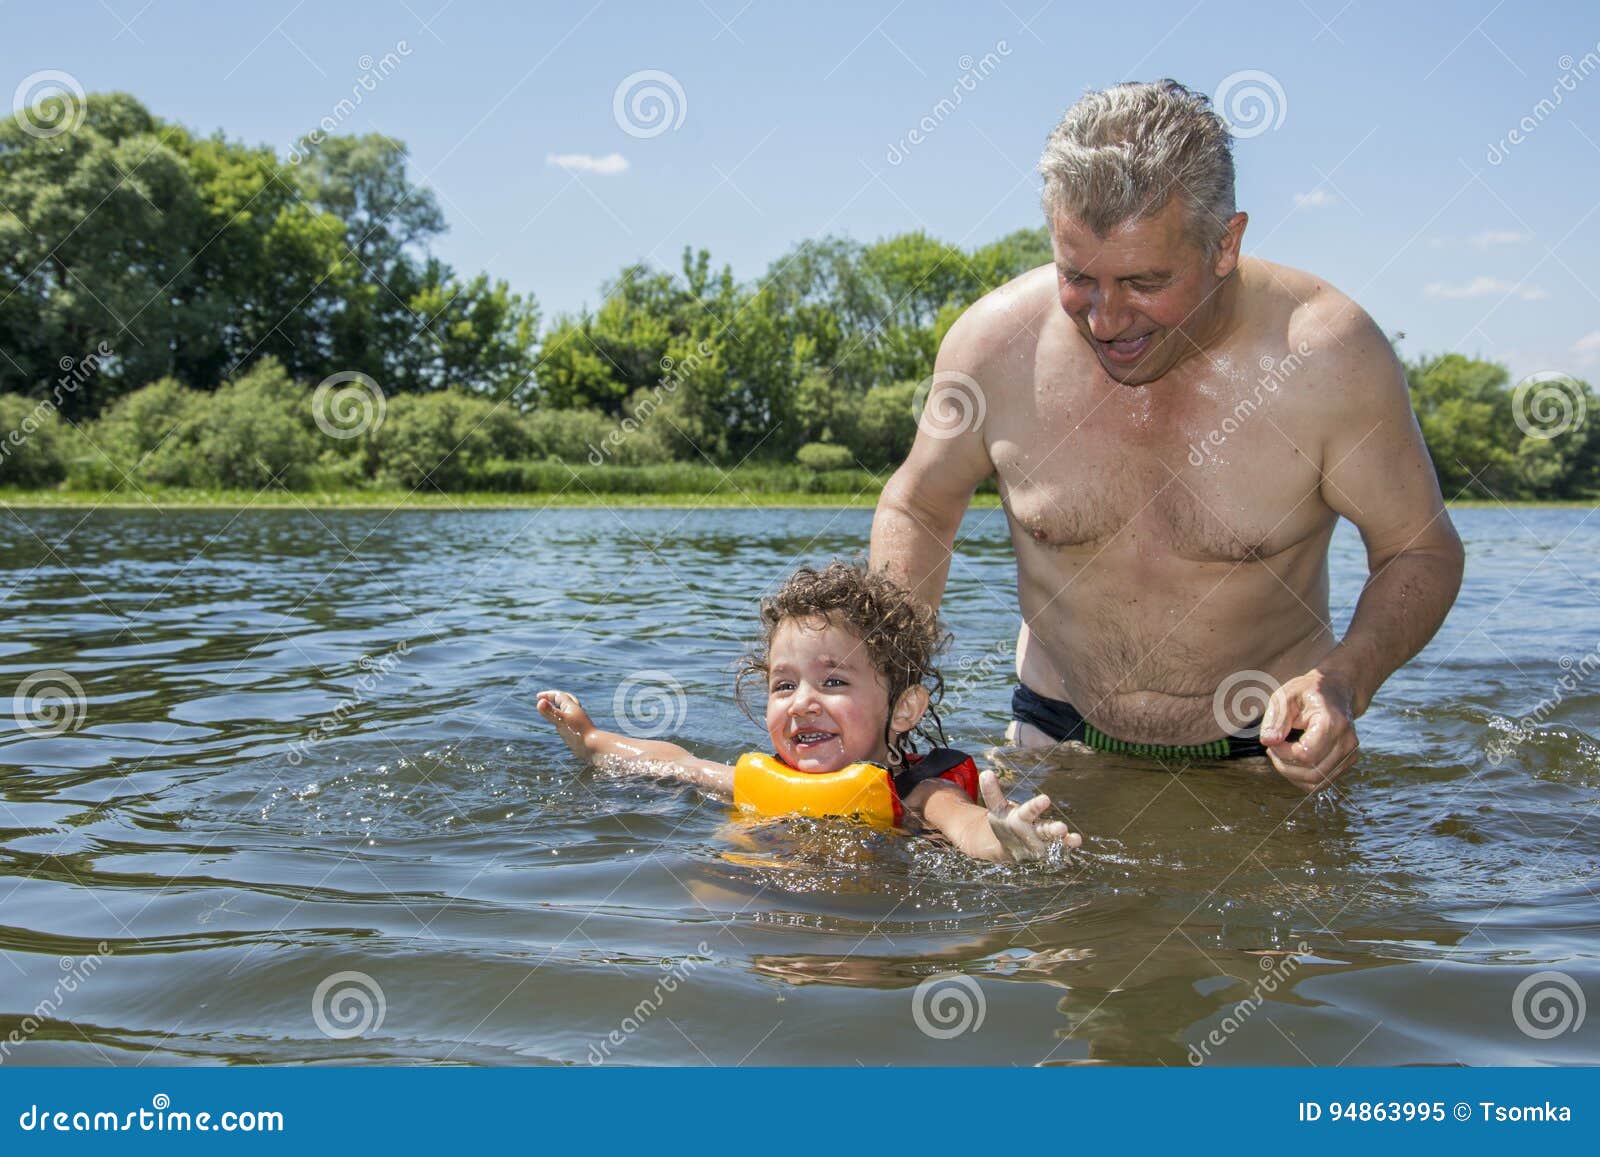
(1464, 410)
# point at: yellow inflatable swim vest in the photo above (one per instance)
(767, 787)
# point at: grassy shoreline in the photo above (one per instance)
(726, 497)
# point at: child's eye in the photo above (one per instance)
(834, 679)
(782, 686)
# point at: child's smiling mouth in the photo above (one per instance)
(811, 738)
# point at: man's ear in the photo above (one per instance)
(1227, 259)
(909, 710)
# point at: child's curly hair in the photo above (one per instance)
(901, 634)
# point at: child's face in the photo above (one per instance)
(826, 704)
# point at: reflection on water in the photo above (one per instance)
(308, 814)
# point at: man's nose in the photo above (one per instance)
(1107, 318)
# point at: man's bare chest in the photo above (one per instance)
(1212, 480)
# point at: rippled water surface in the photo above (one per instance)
(307, 794)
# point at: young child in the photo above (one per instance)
(847, 659)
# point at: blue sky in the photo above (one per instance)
(1374, 168)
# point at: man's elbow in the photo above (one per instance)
(1444, 555)
(908, 494)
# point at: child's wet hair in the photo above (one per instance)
(901, 635)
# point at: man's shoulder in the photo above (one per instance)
(1322, 325)
(1003, 325)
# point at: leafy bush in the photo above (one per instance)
(257, 431)
(886, 426)
(32, 450)
(821, 456)
(151, 436)
(443, 440)
(589, 436)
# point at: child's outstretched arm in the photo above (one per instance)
(1003, 832)
(642, 756)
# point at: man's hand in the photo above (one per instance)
(1017, 826)
(571, 720)
(1320, 705)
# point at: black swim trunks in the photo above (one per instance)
(1062, 721)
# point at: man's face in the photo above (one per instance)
(1143, 294)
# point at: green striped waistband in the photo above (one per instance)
(1100, 741)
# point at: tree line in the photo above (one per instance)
(174, 307)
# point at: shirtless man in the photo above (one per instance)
(1175, 430)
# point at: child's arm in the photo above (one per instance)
(1003, 832)
(640, 756)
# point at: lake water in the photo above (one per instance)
(307, 813)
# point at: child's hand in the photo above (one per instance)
(571, 720)
(1017, 827)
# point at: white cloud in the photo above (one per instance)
(1587, 348)
(1316, 199)
(607, 166)
(1484, 287)
(1498, 237)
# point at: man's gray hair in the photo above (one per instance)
(1121, 153)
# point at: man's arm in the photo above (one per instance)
(1376, 472)
(920, 509)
